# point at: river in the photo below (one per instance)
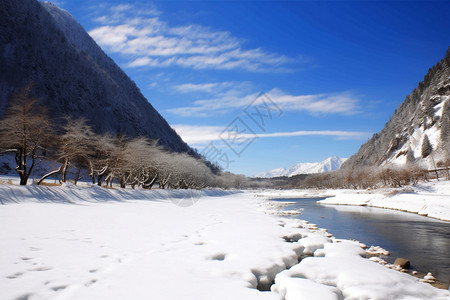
(425, 242)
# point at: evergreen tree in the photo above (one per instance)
(445, 124)
(426, 146)
(410, 156)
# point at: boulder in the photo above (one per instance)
(401, 262)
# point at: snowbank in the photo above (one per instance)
(341, 272)
(70, 193)
(430, 199)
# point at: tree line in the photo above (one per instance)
(372, 177)
(27, 132)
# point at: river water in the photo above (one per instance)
(425, 242)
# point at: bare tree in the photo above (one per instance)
(190, 173)
(108, 158)
(74, 145)
(25, 131)
(166, 168)
(140, 166)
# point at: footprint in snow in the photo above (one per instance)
(25, 258)
(59, 287)
(40, 269)
(15, 275)
(91, 282)
(218, 256)
(24, 297)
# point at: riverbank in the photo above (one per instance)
(431, 199)
(390, 229)
(92, 243)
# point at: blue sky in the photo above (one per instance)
(316, 79)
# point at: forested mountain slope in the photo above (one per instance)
(418, 131)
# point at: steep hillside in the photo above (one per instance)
(419, 130)
(44, 44)
(329, 164)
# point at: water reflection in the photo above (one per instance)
(425, 242)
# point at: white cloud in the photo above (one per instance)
(195, 135)
(210, 88)
(325, 103)
(228, 97)
(202, 135)
(121, 7)
(146, 40)
(192, 87)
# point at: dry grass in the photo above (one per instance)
(108, 187)
(8, 181)
(50, 184)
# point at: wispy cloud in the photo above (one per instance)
(209, 88)
(143, 37)
(195, 135)
(229, 97)
(202, 135)
(325, 103)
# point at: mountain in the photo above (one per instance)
(45, 45)
(329, 164)
(418, 131)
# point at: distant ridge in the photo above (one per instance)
(44, 44)
(329, 164)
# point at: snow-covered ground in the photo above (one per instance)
(74, 242)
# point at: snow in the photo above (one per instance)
(414, 140)
(329, 164)
(61, 243)
(341, 266)
(430, 199)
(73, 242)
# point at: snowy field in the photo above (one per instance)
(74, 242)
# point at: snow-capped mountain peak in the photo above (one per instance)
(329, 164)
